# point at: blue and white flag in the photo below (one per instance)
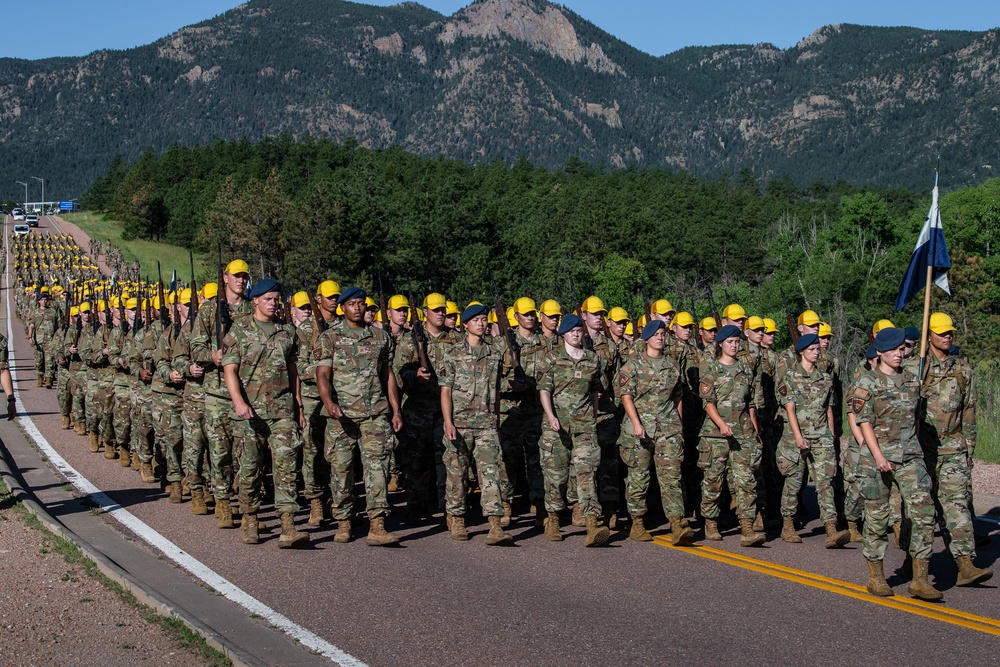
(173, 281)
(931, 250)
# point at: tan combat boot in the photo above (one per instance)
(456, 524)
(835, 538)
(198, 505)
(896, 529)
(921, 586)
(597, 534)
(748, 536)
(639, 532)
(393, 484)
(343, 535)
(969, 574)
(93, 443)
(681, 534)
(109, 451)
(291, 538)
(135, 463)
(788, 533)
(174, 489)
(852, 529)
(712, 530)
(540, 515)
(48, 383)
(124, 458)
(80, 428)
(64, 420)
(251, 529)
(610, 510)
(552, 533)
(146, 473)
(505, 519)
(38, 381)
(758, 523)
(497, 536)
(378, 536)
(315, 512)
(877, 585)
(578, 519)
(223, 514)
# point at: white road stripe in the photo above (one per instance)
(169, 549)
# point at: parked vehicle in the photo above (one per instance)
(21, 230)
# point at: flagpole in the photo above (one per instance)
(927, 286)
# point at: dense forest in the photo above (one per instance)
(392, 221)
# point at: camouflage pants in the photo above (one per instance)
(854, 504)
(951, 480)
(483, 446)
(914, 486)
(45, 363)
(95, 409)
(78, 391)
(315, 469)
(576, 448)
(168, 425)
(820, 460)
(64, 395)
(422, 455)
(122, 418)
(106, 399)
(607, 470)
(735, 456)
(142, 421)
(375, 440)
(519, 437)
(282, 437)
(219, 427)
(196, 464)
(666, 453)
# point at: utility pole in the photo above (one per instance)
(43, 192)
(25, 193)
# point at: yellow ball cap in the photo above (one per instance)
(398, 302)
(593, 304)
(511, 320)
(132, 303)
(524, 305)
(642, 321)
(433, 301)
(661, 307)
(941, 323)
(882, 324)
(708, 324)
(340, 310)
(825, 330)
(754, 323)
(210, 290)
(683, 319)
(328, 288)
(734, 311)
(84, 307)
(156, 302)
(550, 307)
(492, 317)
(617, 314)
(770, 326)
(184, 296)
(629, 329)
(452, 309)
(73, 311)
(237, 266)
(300, 299)
(370, 303)
(101, 306)
(115, 302)
(809, 318)
(171, 298)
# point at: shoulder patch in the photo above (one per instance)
(862, 393)
(317, 354)
(857, 404)
(623, 380)
(783, 389)
(706, 388)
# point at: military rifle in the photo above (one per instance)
(175, 311)
(510, 335)
(382, 306)
(790, 321)
(419, 335)
(159, 295)
(868, 329)
(220, 299)
(715, 309)
(194, 292)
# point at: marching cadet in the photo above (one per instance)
(807, 446)
(651, 390)
(89, 347)
(885, 403)
(521, 409)
(850, 456)
(64, 388)
(121, 420)
(549, 314)
(398, 310)
(948, 439)
(168, 398)
(41, 329)
(258, 355)
(361, 401)
(451, 313)
(77, 368)
(707, 330)
(327, 293)
(6, 381)
(206, 351)
(728, 437)
(570, 389)
(470, 379)
(140, 363)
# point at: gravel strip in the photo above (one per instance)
(986, 478)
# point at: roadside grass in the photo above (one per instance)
(148, 253)
(184, 637)
(987, 376)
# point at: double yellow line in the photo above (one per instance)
(936, 612)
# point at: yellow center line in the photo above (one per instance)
(840, 587)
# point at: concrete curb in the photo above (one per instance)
(111, 570)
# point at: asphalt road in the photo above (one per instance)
(435, 601)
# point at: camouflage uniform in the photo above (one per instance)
(168, 404)
(471, 374)
(850, 461)
(571, 383)
(890, 404)
(89, 346)
(948, 438)
(121, 420)
(810, 394)
(77, 384)
(731, 390)
(140, 357)
(359, 361)
(655, 387)
(196, 464)
(315, 469)
(46, 324)
(60, 345)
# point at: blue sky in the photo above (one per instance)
(44, 28)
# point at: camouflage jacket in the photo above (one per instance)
(655, 385)
(949, 390)
(730, 389)
(406, 361)
(193, 387)
(572, 384)
(117, 341)
(609, 354)
(305, 363)
(810, 393)
(471, 374)
(359, 360)
(263, 355)
(534, 353)
(4, 354)
(163, 363)
(46, 321)
(890, 404)
(204, 341)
